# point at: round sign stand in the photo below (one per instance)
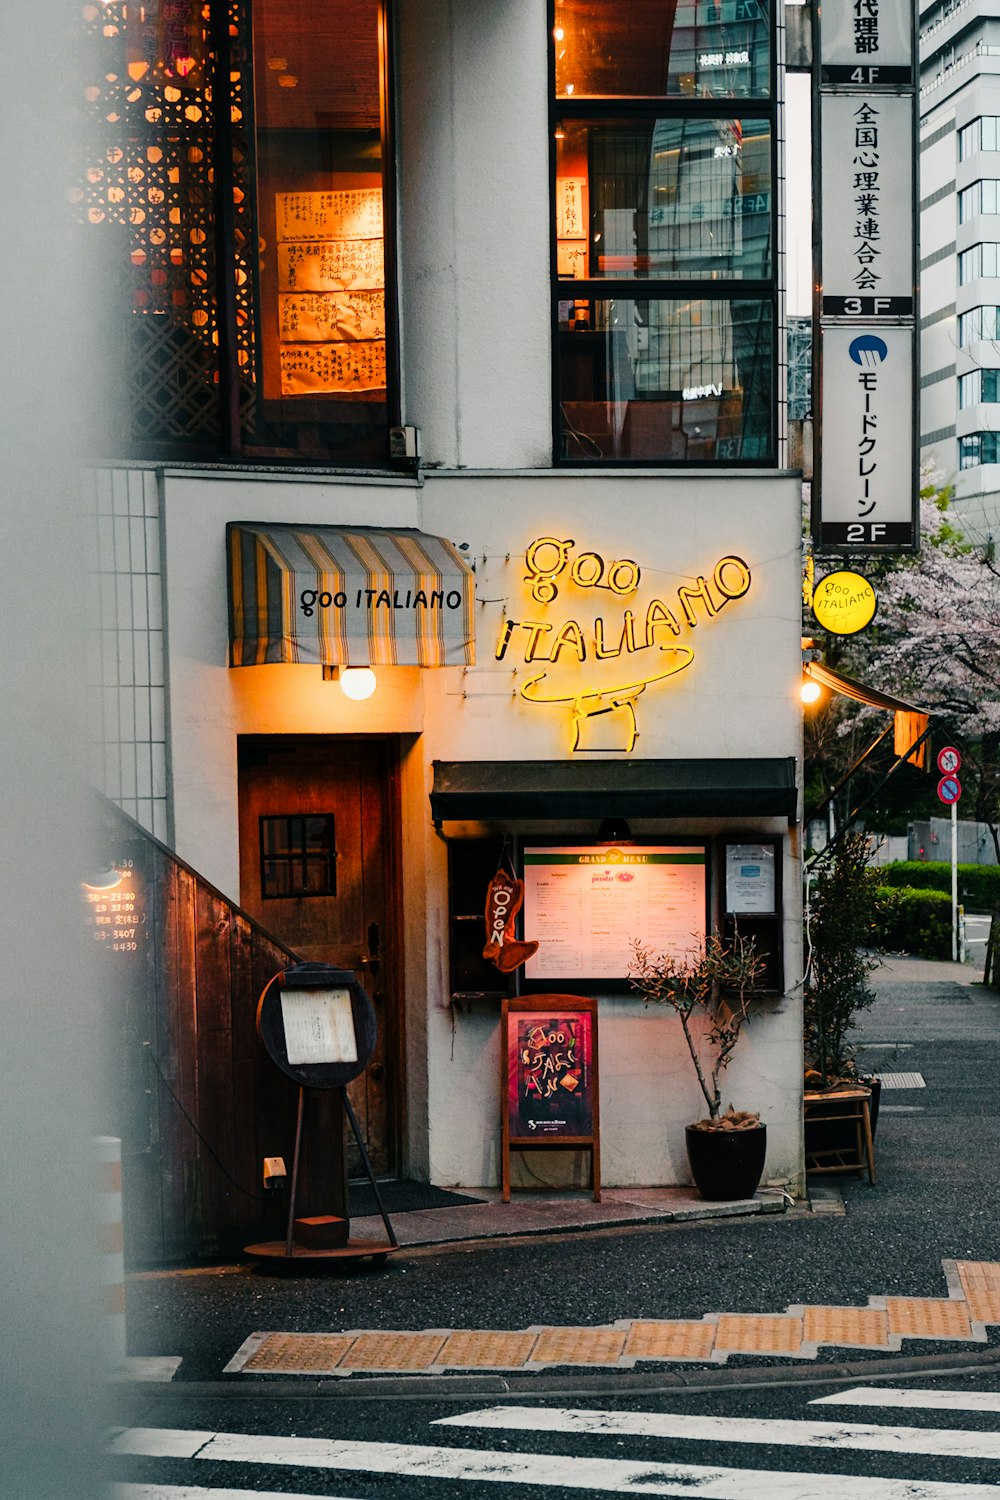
(318, 1027)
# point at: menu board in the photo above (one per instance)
(319, 1026)
(550, 1074)
(750, 878)
(587, 905)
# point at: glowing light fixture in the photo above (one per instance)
(558, 33)
(809, 692)
(357, 683)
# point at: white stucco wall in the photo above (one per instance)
(737, 698)
(474, 230)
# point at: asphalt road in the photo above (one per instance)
(742, 1444)
(937, 1197)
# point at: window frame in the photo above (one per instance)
(626, 109)
(233, 445)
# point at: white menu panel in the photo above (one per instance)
(319, 1026)
(586, 906)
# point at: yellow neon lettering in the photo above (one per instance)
(545, 559)
(659, 617)
(736, 588)
(626, 641)
(623, 576)
(570, 635)
(536, 629)
(687, 593)
(588, 570)
(506, 631)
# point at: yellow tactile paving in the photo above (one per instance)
(928, 1318)
(670, 1341)
(750, 1333)
(472, 1350)
(796, 1333)
(980, 1280)
(845, 1325)
(393, 1351)
(294, 1353)
(578, 1346)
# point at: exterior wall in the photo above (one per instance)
(739, 698)
(960, 70)
(474, 246)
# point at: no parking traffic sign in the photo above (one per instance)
(949, 789)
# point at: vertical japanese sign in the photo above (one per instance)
(864, 329)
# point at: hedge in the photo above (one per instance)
(915, 921)
(978, 885)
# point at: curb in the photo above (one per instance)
(466, 1387)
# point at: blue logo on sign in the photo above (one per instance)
(868, 350)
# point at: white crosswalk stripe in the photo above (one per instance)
(479, 1466)
(830, 1436)
(194, 1492)
(914, 1400)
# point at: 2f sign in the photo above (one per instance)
(866, 495)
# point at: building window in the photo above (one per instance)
(978, 448)
(982, 135)
(232, 184)
(977, 324)
(297, 856)
(980, 386)
(979, 260)
(665, 291)
(982, 197)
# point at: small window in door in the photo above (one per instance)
(298, 855)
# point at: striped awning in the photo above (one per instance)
(347, 597)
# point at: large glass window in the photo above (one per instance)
(684, 198)
(658, 186)
(232, 183)
(662, 48)
(676, 381)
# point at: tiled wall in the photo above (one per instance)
(126, 658)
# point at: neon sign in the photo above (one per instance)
(642, 637)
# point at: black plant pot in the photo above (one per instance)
(726, 1164)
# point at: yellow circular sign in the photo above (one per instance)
(844, 602)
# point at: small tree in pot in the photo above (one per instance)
(711, 993)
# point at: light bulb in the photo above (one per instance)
(357, 683)
(809, 691)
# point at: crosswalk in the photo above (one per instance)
(449, 1464)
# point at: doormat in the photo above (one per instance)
(402, 1197)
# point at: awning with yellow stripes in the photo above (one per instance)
(347, 597)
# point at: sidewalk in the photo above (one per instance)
(906, 1268)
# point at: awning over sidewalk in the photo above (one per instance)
(910, 723)
(550, 789)
(347, 597)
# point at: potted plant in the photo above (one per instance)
(842, 943)
(711, 993)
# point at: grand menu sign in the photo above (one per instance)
(589, 904)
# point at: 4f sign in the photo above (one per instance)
(865, 496)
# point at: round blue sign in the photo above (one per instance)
(949, 789)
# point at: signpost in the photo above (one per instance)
(949, 791)
(865, 312)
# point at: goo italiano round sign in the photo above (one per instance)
(844, 602)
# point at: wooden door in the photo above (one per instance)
(318, 863)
